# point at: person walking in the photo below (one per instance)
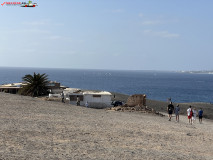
(169, 100)
(62, 97)
(170, 110)
(200, 114)
(87, 104)
(177, 110)
(189, 114)
(78, 101)
(194, 111)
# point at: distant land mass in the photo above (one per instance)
(198, 72)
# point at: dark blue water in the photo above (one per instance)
(181, 87)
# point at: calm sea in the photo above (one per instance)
(157, 85)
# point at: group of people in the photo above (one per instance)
(191, 113)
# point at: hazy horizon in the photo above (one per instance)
(109, 34)
(107, 69)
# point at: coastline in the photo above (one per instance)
(158, 85)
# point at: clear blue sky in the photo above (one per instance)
(109, 34)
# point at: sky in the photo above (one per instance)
(108, 34)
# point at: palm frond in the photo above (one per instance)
(36, 84)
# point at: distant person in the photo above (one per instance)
(144, 100)
(62, 97)
(78, 101)
(177, 111)
(87, 104)
(170, 110)
(200, 114)
(189, 114)
(194, 111)
(169, 100)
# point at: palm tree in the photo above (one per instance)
(36, 85)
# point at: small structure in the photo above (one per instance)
(136, 100)
(56, 93)
(11, 88)
(54, 87)
(94, 99)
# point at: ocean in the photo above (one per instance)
(157, 85)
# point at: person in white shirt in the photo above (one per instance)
(194, 115)
(189, 114)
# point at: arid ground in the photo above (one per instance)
(32, 128)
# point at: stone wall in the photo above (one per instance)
(136, 100)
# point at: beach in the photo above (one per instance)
(32, 128)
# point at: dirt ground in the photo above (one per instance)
(31, 128)
(162, 106)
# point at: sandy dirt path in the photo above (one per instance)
(34, 129)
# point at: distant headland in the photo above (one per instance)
(198, 72)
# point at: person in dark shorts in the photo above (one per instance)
(200, 114)
(170, 110)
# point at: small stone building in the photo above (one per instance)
(136, 99)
